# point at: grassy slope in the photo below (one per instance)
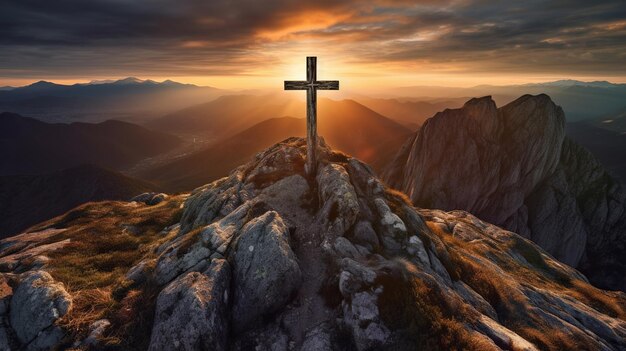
(106, 239)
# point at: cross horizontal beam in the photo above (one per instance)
(318, 85)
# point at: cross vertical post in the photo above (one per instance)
(311, 117)
(311, 85)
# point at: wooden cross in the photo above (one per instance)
(311, 85)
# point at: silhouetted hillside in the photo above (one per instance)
(27, 200)
(29, 146)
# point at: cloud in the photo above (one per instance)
(224, 37)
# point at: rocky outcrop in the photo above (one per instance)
(38, 301)
(191, 312)
(514, 167)
(341, 206)
(272, 259)
(265, 270)
(395, 277)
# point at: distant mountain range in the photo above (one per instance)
(29, 146)
(580, 100)
(144, 100)
(410, 112)
(27, 200)
(129, 98)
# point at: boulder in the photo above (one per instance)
(319, 338)
(344, 248)
(96, 330)
(192, 311)
(271, 337)
(340, 204)
(365, 235)
(38, 301)
(47, 339)
(180, 258)
(265, 270)
(362, 316)
(150, 198)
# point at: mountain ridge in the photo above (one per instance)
(132, 98)
(26, 200)
(30, 146)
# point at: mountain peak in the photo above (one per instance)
(270, 256)
(519, 158)
(129, 80)
(42, 84)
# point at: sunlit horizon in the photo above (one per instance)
(349, 80)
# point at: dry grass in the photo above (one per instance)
(396, 196)
(107, 238)
(88, 305)
(473, 262)
(132, 319)
(603, 301)
(548, 338)
(413, 303)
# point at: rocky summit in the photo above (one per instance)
(270, 259)
(514, 167)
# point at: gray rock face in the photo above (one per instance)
(364, 234)
(191, 312)
(546, 187)
(37, 303)
(341, 206)
(5, 341)
(319, 338)
(178, 259)
(265, 270)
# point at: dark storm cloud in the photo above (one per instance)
(77, 37)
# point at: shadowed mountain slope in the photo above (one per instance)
(514, 167)
(228, 115)
(218, 160)
(29, 146)
(268, 258)
(27, 200)
(606, 145)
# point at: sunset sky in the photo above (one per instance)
(255, 44)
